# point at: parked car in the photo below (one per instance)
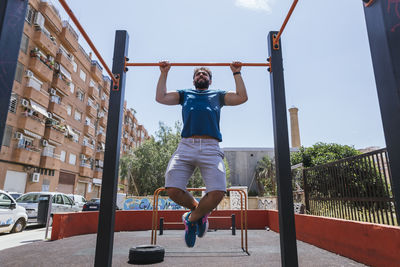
(13, 217)
(78, 199)
(15, 195)
(60, 203)
(92, 205)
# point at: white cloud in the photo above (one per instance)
(264, 5)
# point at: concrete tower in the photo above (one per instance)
(294, 127)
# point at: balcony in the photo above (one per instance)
(62, 85)
(96, 71)
(93, 92)
(41, 69)
(104, 104)
(69, 37)
(98, 173)
(103, 121)
(66, 62)
(32, 124)
(91, 111)
(99, 155)
(52, 17)
(89, 130)
(52, 133)
(85, 170)
(37, 96)
(101, 138)
(88, 151)
(26, 156)
(58, 109)
(52, 163)
(106, 84)
(48, 45)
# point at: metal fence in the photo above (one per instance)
(356, 188)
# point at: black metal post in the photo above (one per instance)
(161, 226)
(105, 232)
(282, 157)
(233, 224)
(12, 17)
(383, 26)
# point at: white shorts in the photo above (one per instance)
(195, 152)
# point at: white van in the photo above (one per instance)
(13, 217)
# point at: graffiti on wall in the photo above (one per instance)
(146, 204)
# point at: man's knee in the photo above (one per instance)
(216, 195)
(174, 192)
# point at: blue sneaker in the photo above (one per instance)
(202, 224)
(190, 230)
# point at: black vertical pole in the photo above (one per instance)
(105, 231)
(12, 17)
(282, 157)
(383, 25)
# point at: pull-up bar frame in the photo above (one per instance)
(197, 64)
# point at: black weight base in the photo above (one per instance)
(146, 254)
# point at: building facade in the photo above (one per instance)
(56, 125)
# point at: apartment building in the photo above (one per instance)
(133, 134)
(56, 126)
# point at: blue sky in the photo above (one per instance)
(327, 63)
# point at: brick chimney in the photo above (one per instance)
(294, 127)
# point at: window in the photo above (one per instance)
(72, 159)
(77, 115)
(48, 151)
(30, 14)
(72, 87)
(19, 72)
(87, 121)
(82, 74)
(75, 66)
(80, 95)
(35, 83)
(5, 202)
(7, 136)
(62, 155)
(65, 72)
(13, 103)
(67, 201)
(24, 43)
(69, 110)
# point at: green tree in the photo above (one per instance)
(144, 168)
(265, 177)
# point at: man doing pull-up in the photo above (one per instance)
(199, 146)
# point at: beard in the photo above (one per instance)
(202, 84)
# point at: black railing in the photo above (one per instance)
(356, 188)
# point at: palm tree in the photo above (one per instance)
(265, 176)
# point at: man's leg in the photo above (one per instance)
(209, 202)
(182, 198)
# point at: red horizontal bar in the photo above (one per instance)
(197, 64)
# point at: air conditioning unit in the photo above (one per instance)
(39, 20)
(45, 142)
(83, 157)
(18, 135)
(35, 177)
(52, 91)
(24, 102)
(29, 73)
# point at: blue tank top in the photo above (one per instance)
(201, 111)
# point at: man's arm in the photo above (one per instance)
(240, 96)
(162, 96)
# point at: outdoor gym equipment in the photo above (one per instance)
(243, 215)
(383, 27)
